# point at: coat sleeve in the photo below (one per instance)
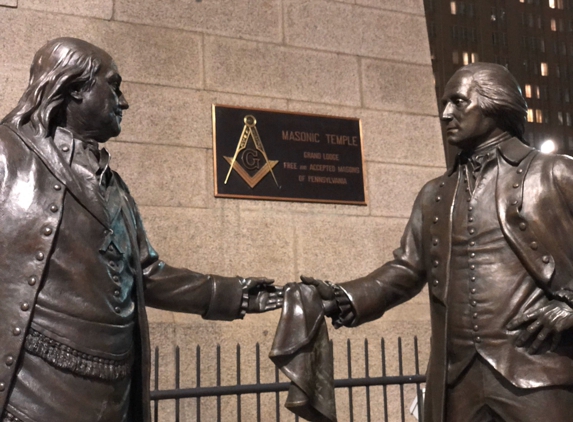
(396, 281)
(182, 290)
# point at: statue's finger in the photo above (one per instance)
(541, 337)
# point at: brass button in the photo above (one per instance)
(40, 256)
(9, 360)
(546, 259)
(47, 231)
(25, 306)
(57, 187)
(522, 226)
(533, 245)
(32, 280)
(54, 208)
(17, 331)
(515, 185)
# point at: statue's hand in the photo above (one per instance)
(326, 292)
(263, 295)
(551, 319)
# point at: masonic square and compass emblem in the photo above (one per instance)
(250, 160)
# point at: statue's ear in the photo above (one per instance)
(77, 94)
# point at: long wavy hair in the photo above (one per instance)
(61, 66)
(500, 96)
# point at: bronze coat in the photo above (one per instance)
(34, 176)
(534, 198)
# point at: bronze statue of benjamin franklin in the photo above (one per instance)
(492, 239)
(76, 267)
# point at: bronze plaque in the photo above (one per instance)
(276, 155)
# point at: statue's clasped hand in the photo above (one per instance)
(263, 295)
(541, 324)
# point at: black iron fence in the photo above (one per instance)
(375, 396)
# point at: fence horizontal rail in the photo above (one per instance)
(233, 390)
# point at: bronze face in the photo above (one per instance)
(96, 113)
(466, 125)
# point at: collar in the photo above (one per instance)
(511, 148)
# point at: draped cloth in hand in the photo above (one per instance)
(302, 351)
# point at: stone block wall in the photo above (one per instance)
(357, 58)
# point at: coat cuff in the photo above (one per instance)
(226, 297)
(564, 295)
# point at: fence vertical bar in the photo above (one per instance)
(349, 359)
(384, 387)
(198, 374)
(418, 389)
(258, 381)
(177, 383)
(367, 375)
(277, 397)
(218, 382)
(238, 382)
(156, 385)
(401, 372)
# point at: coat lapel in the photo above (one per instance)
(59, 166)
(513, 165)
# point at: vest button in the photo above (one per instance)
(47, 231)
(476, 328)
(17, 331)
(65, 148)
(32, 280)
(54, 208)
(9, 360)
(472, 291)
(473, 303)
(514, 202)
(472, 243)
(436, 263)
(435, 282)
(57, 187)
(472, 231)
(2, 386)
(116, 293)
(471, 208)
(40, 256)
(435, 241)
(533, 245)
(475, 315)
(522, 226)
(436, 219)
(519, 171)
(117, 310)
(25, 306)
(546, 259)
(515, 185)
(472, 255)
(438, 198)
(115, 278)
(478, 339)
(472, 267)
